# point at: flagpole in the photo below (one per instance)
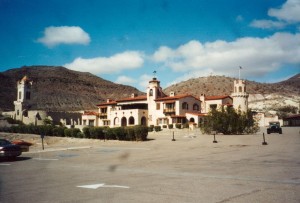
(240, 72)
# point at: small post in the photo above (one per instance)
(264, 142)
(173, 137)
(215, 141)
(42, 136)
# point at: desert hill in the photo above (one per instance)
(60, 89)
(263, 96)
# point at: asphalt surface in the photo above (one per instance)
(190, 169)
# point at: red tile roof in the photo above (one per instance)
(107, 103)
(137, 98)
(90, 113)
(176, 97)
(217, 97)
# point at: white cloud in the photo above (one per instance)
(114, 64)
(268, 24)
(287, 14)
(290, 11)
(64, 35)
(258, 56)
(125, 80)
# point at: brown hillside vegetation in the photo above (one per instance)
(60, 89)
(221, 85)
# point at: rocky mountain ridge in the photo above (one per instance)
(262, 96)
(60, 89)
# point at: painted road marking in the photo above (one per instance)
(120, 148)
(5, 164)
(45, 159)
(96, 186)
(57, 149)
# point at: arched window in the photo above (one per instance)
(151, 92)
(123, 122)
(185, 106)
(116, 121)
(143, 121)
(196, 107)
(131, 120)
(240, 89)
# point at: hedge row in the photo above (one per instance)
(138, 133)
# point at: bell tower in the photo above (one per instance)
(240, 96)
(154, 91)
(23, 98)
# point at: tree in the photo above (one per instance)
(47, 121)
(227, 121)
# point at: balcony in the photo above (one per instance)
(103, 114)
(169, 110)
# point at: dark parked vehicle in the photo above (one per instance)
(274, 127)
(7, 149)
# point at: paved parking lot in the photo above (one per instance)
(190, 169)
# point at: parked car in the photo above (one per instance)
(274, 127)
(23, 144)
(7, 149)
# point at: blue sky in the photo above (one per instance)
(125, 41)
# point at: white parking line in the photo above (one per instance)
(44, 159)
(134, 148)
(5, 164)
(96, 186)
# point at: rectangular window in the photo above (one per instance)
(28, 95)
(91, 122)
(157, 106)
(20, 95)
(213, 106)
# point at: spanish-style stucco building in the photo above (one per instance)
(157, 108)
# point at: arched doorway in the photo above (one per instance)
(131, 120)
(123, 122)
(143, 121)
(192, 120)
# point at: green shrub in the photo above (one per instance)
(150, 129)
(157, 128)
(80, 135)
(130, 135)
(74, 132)
(141, 133)
(178, 125)
(119, 133)
(186, 125)
(170, 126)
(67, 132)
(58, 131)
(109, 134)
(164, 126)
(86, 132)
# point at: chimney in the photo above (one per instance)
(133, 95)
(172, 94)
(202, 97)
